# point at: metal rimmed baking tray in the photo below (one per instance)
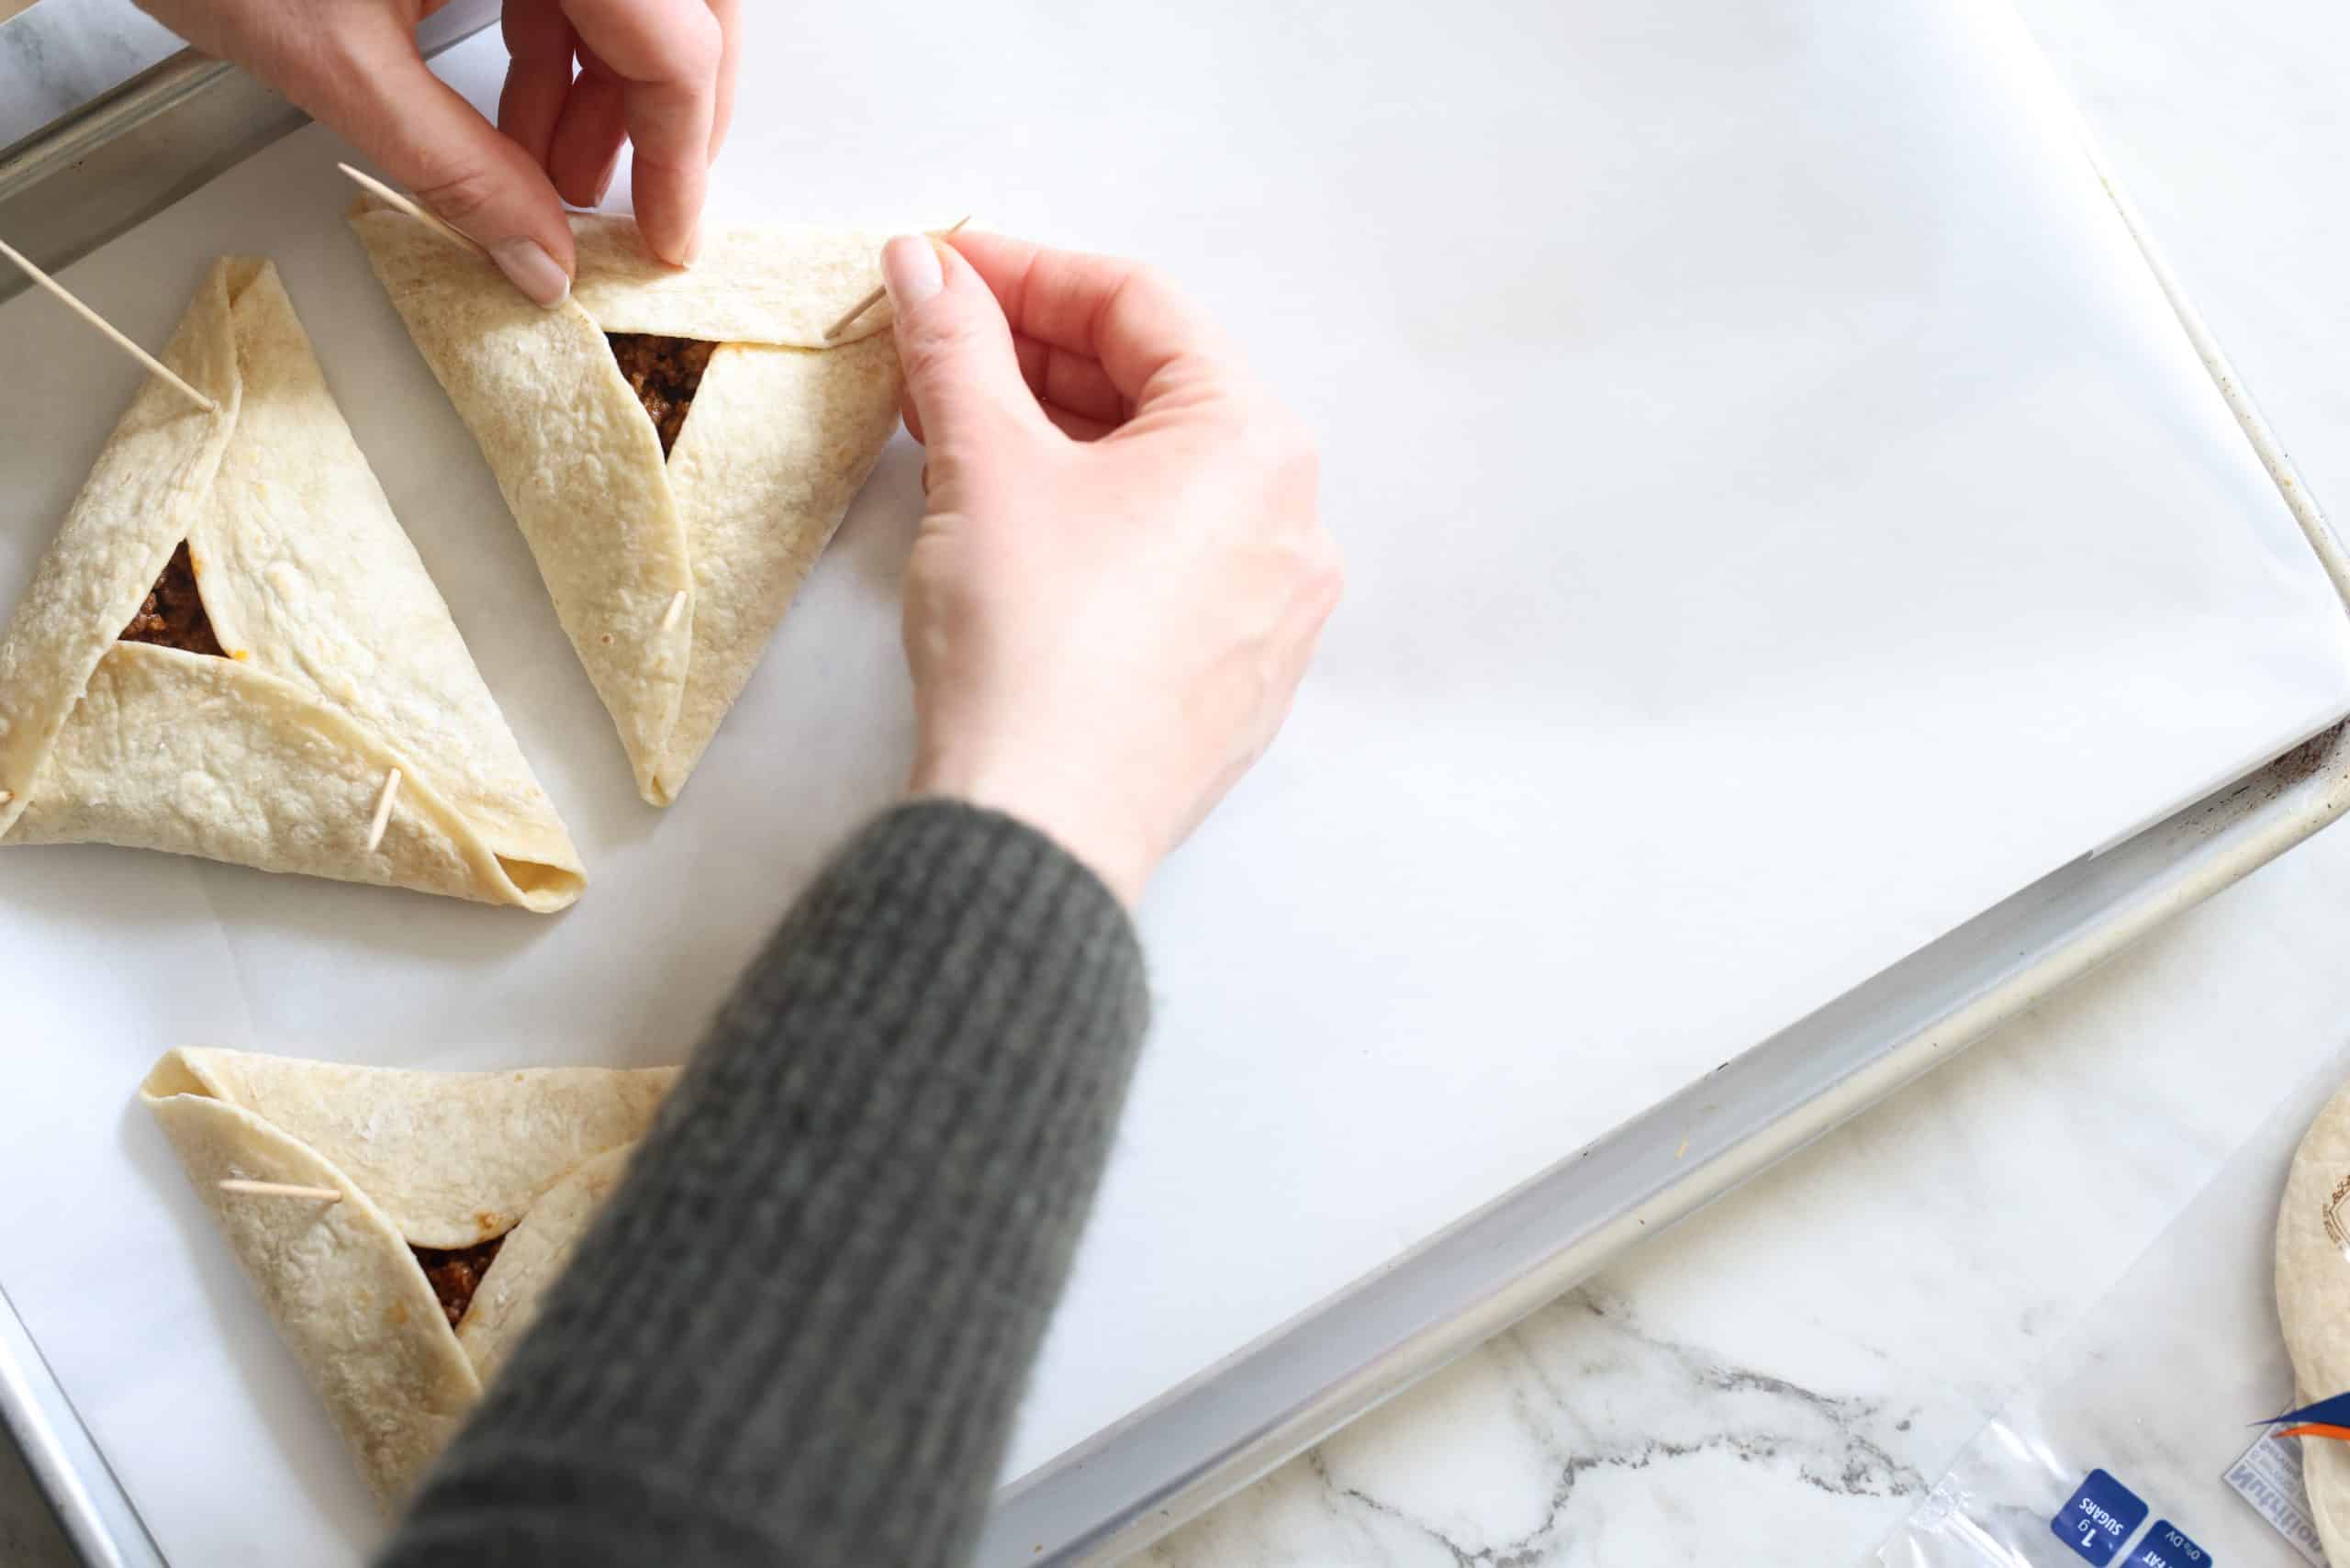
(1363, 1343)
(129, 152)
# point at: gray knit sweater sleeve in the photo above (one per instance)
(799, 1332)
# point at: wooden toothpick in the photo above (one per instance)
(154, 366)
(281, 1190)
(874, 299)
(376, 188)
(383, 809)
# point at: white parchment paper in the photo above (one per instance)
(1783, 518)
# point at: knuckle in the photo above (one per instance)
(458, 192)
(1285, 450)
(1322, 572)
(695, 50)
(1330, 581)
(1150, 282)
(1301, 461)
(929, 351)
(1273, 431)
(1227, 426)
(325, 54)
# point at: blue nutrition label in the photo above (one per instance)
(2099, 1516)
(2166, 1547)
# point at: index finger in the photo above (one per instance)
(667, 56)
(1118, 312)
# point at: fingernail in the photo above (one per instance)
(528, 267)
(693, 248)
(911, 269)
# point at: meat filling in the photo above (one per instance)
(173, 616)
(457, 1273)
(664, 373)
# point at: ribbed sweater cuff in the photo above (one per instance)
(806, 1316)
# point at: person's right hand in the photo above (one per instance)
(1121, 573)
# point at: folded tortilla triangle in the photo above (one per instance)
(330, 659)
(427, 1162)
(669, 574)
(2313, 1305)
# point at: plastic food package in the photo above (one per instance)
(2145, 1440)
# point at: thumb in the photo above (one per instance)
(962, 376)
(433, 141)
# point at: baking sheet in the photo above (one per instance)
(71, 50)
(1783, 518)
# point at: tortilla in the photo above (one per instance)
(2313, 1305)
(422, 1160)
(669, 573)
(260, 726)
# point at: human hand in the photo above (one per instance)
(1121, 573)
(659, 73)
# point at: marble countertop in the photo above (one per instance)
(1782, 1376)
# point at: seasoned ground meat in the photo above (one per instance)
(174, 614)
(456, 1274)
(664, 372)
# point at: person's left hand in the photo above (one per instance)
(659, 73)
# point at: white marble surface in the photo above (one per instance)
(62, 53)
(1774, 1382)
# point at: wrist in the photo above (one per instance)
(1064, 808)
